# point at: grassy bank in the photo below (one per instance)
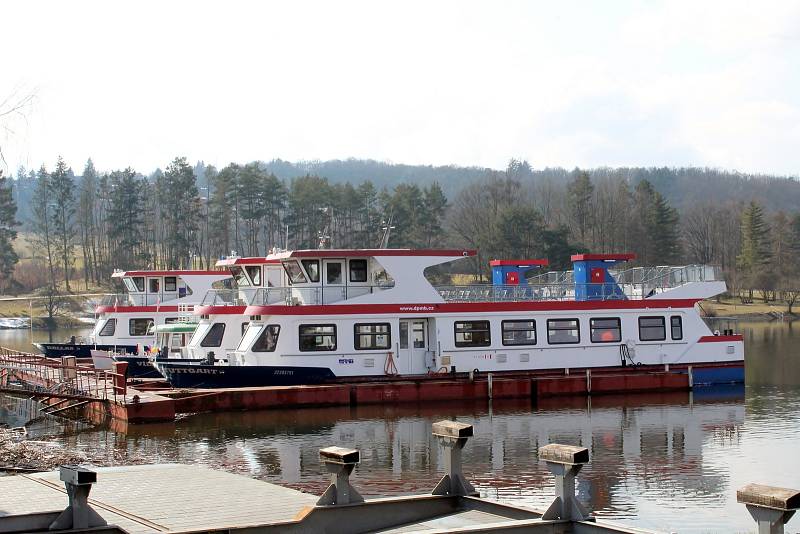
(733, 307)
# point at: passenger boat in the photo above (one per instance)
(170, 344)
(343, 314)
(126, 321)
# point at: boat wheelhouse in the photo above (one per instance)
(369, 313)
(221, 314)
(126, 321)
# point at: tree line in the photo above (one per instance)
(82, 227)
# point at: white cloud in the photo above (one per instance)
(672, 83)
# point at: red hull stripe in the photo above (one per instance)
(219, 310)
(376, 252)
(474, 307)
(168, 273)
(135, 309)
(720, 339)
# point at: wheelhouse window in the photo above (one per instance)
(109, 328)
(244, 326)
(333, 273)
(472, 334)
(170, 283)
(605, 330)
(317, 337)
(268, 339)
(154, 285)
(358, 270)
(373, 336)
(652, 329)
(139, 327)
(138, 281)
(519, 332)
(418, 334)
(214, 336)
(254, 272)
(676, 325)
(250, 335)
(294, 272)
(312, 269)
(239, 276)
(563, 331)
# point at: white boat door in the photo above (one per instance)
(333, 282)
(412, 346)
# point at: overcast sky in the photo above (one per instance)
(471, 83)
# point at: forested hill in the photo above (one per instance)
(680, 186)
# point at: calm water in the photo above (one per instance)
(670, 462)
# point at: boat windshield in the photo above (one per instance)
(294, 271)
(200, 333)
(239, 276)
(250, 336)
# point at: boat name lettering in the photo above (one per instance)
(346, 360)
(196, 371)
(285, 372)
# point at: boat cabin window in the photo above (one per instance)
(403, 334)
(139, 327)
(605, 330)
(249, 336)
(155, 284)
(373, 336)
(315, 337)
(676, 324)
(108, 328)
(519, 332)
(254, 272)
(563, 331)
(472, 334)
(333, 273)
(244, 326)
(214, 336)
(312, 269)
(172, 320)
(652, 329)
(294, 272)
(358, 270)
(170, 283)
(238, 275)
(176, 342)
(418, 334)
(268, 339)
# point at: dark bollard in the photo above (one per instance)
(339, 462)
(771, 507)
(564, 461)
(78, 514)
(452, 437)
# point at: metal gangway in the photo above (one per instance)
(60, 384)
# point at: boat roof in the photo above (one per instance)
(182, 273)
(176, 328)
(369, 253)
(235, 260)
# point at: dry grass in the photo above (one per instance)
(733, 307)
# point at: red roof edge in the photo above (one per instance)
(227, 262)
(118, 274)
(603, 257)
(520, 263)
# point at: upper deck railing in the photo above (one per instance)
(137, 299)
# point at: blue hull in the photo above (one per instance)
(80, 350)
(139, 367)
(187, 375)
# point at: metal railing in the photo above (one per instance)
(138, 299)
(311, 296)
(45, 377)
(229, 297)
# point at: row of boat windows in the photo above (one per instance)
(333, 271)
(373, 336)
(565, 331)
(136, 327)
(154, 284)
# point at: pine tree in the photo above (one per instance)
(182, 213)
(8, 223)
(62, 194)
(579, 200)
(663, 231)
(755, 252)
(126, 220)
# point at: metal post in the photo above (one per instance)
(490, 384)
(771, 507)
(452, 437)
(78, 514)
(339, 462)
(564, 461)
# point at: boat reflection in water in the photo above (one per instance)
(647, 451)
